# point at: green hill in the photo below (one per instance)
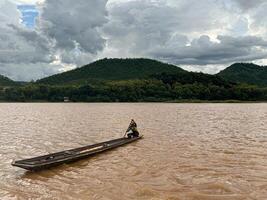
(245, 73)
(143, 80)
(4, 81)
(184, 78)
(112, 69)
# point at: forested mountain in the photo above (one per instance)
(142, 80)
(4, 81)
(111, 69)
(184, 78)
(246, 73)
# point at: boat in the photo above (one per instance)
(68, 156)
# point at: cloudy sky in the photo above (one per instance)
(42, 37)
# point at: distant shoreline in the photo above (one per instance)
(170, 102)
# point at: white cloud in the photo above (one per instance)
(29, 71)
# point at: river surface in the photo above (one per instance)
(189, 151)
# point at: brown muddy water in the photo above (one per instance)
(189, 152)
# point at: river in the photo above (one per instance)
(189, 151)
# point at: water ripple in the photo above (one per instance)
(190, 151)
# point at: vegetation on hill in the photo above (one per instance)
(137, 80)
(111, 69)
(192, 78)
(4, 81)
(245, 73)
(161, 88)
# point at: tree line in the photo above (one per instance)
(157, 88)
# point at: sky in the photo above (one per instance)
(39, 38)
(28, 15)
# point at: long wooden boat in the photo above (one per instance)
(55, 159)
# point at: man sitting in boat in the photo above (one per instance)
(132, 130)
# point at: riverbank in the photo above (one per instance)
(193, 101)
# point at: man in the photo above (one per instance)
(132, 130)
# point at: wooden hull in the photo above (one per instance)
(72, 155)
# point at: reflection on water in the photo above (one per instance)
(190, 151)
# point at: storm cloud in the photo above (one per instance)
(246, 5)
(185, 32)
(73, 24)
(60, 40)
(197, 35)
(20, 47)
(203, 51)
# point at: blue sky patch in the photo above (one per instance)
(29, 13)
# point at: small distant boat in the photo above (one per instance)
(55, 159)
